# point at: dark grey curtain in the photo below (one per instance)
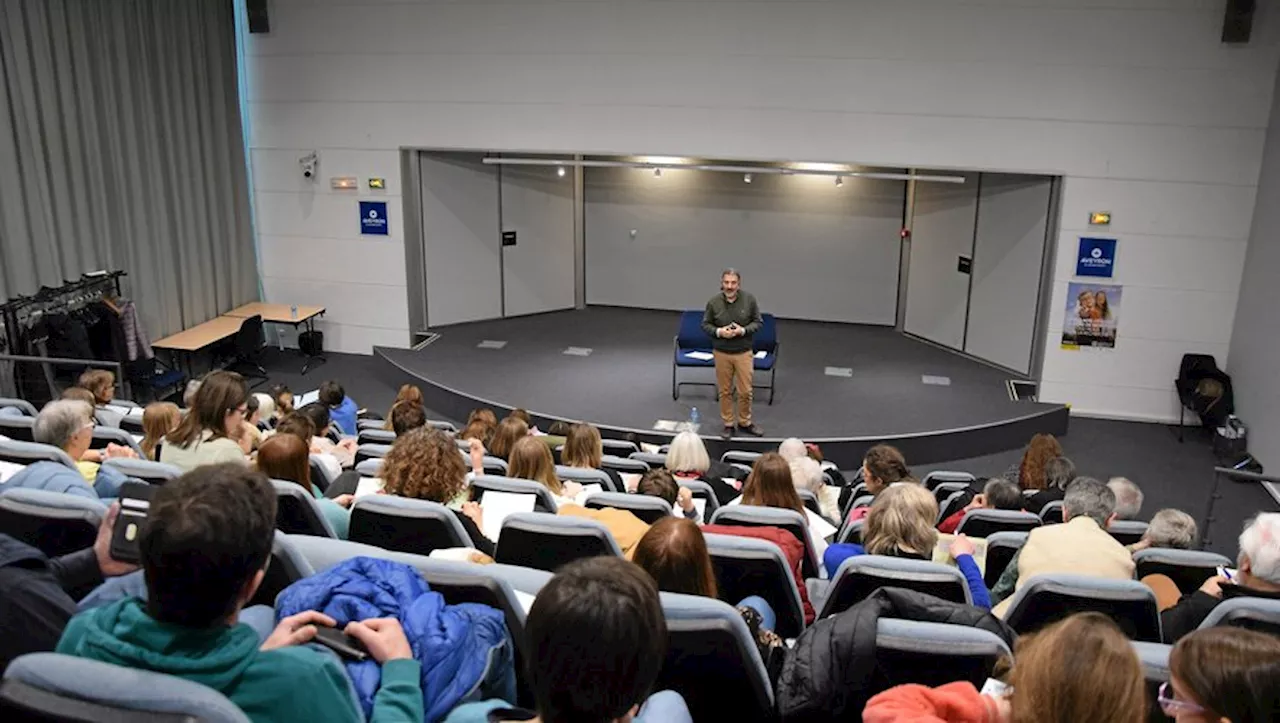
(121, 148)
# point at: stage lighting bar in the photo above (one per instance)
(838, 173)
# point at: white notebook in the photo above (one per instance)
(368, 486)
(498, 506)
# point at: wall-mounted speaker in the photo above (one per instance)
(256, 10)
(1238, 23)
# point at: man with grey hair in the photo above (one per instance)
(68, 425)
(1128, 498)
(1170, 529)
(1257, 575)
(731, 318)
(1080, 545)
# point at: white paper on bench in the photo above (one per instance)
(368, 486)
(9, 469)
(125, 411)
(581, 498)
(699, 504)
(498, 506)
(761, 354)
(700, 355)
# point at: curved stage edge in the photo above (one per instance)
(928, 447)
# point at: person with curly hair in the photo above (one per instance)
(1030, 472)
(424, 464)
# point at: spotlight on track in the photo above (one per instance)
(839, 181)
(657, 173)
(560, 171)
(746, 178)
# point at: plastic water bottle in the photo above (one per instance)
(694, 420)
(293, 311)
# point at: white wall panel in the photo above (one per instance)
(1136, 102)
(324, 216)
(355, 261)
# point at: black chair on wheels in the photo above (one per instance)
(249, 343)
(1204, 389)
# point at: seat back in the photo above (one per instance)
(370, 467)
(933, 479)
(1046, 599)
(1051, 513)
(789, 520)
(850, 494)
(702, 491)
(443, 425)
(690, 334)
(297, 512)
(984, 523)
(1127, 532)
(406, 525)
(851, 532)
(375, 436)
(319, 474)
(861, 575)
(546, 542)
(653, 460)
(132, 425)
(1187, 568)
(27, 408)
(543, 501)
(952, 504)
(766, 338)
(618, 447)
(25, 453)
(156, 473)
(737, 456)
(1001, 547)
(250, 338)
(712, 661)
(623, 465)
(55, 523)
(286, 567)
(53, 687)
(932, 654)
(943, 490)
(747, 566)
(586, 477)
(102, 436)
(810, 501)
(650, 509)
(371, 451)
(1254, 613)
(17, 428)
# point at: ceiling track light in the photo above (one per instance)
(560, 171)
(753, 170)
(746, 178)
(657, 173)
(839, 181)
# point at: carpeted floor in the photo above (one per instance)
(1170, 474)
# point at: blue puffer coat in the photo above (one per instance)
(460, 647)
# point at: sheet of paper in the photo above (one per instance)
(587, 491)
(700, 355)
(630, 480)
(818, 526)
(125, 411)
(525, 599)
(666, 425)
(498, 506)
(942, 551)
(305, 399)
(761, 354)
(9, 469)
(368, 486)
(699, 504)
(137, 438)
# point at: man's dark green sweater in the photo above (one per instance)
(722, 312)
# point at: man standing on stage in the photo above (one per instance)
(731, 318)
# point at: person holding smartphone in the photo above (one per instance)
(38, 593)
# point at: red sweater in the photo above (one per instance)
(792, 550)
(950, 703)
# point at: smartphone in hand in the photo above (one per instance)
(135, 502)
(339, 642)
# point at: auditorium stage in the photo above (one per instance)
(624, 384)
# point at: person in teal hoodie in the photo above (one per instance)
(204, 549)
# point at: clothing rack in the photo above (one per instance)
(17, 313)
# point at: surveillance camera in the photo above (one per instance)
(309, 163)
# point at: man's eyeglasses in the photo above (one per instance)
(1173, 706)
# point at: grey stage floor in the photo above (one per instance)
(626, 379)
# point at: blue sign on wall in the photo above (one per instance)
(373, 218)
(1097, 257)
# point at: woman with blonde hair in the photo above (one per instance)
(1081, 668)
(687, 459)
(584, 449)
(158, 420)
(530, 459)
(424, 464)
(408, 393)
(901, 524)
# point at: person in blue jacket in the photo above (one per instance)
(68, 425)
(342, 409)
(205, 547)
(901, 524)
